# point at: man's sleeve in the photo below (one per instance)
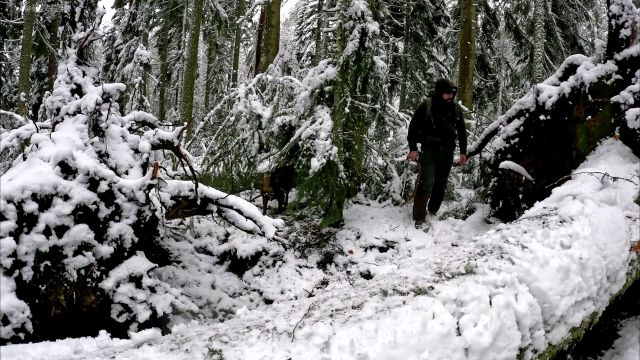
(414, 135)
(462, 131)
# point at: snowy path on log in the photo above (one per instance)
(394, 292)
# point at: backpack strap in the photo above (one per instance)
(429, 116)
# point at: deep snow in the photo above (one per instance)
(394, 292)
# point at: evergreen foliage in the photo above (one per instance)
(127, 58)
(10, 30)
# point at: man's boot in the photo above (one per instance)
(420, 209)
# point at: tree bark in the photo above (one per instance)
(164, 66)
(24, 81)
(318, 40)
(237, 42)
(259, 41)
(54, 41)
(538, 41)
(213, 45)
(191, 69)
(467, 51)
(268, 36)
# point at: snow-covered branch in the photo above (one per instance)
(184, 203)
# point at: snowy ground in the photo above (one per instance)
(394, 292)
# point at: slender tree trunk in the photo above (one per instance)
(260, 41)
(191, 69)
(54, 42)
(237, 42)
(319, 25)
(467, 51)
(538, 40)
(144, 87)
(24, 81)
(404, 77)
(212, 56)
(164, 66)
(501, 80)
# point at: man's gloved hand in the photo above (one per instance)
(413, 156)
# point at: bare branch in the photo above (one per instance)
(592, 173)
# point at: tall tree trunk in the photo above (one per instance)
(405, 56)
(24, 82)
(538, 40)
(467, 51)
(260, 41)
(191, 69)
(270, 36)
(212, 56)
(144, 87)
(319, 25)
(237, 42)
(164, 66)
(54, 42)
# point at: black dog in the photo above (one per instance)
(276, 185)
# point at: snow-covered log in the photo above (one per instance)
(550, 130)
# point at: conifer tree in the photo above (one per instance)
(127, 58)
(237, 43)
(361, 72)
(169, 17)
(191, 67)
(427, 48)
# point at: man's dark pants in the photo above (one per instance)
(435, 165)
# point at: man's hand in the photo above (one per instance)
(413, 156)
(462, 159)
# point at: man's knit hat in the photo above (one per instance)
(444, 86)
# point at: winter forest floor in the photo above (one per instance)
(380, 289)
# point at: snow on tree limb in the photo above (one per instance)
(510, 165)
(240, 213)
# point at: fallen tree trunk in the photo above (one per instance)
(551, 130)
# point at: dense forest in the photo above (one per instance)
(117, 135)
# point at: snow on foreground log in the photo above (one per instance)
(527, 285)
(84, 202)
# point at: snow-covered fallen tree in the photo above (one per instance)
(83, 208)
(560, 121)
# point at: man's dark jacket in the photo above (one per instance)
(438, 128)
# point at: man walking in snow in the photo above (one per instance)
(436, 124)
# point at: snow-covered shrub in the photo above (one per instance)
(82, 212)
(14, 313)
(137, 295)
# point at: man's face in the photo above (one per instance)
(448, 97)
